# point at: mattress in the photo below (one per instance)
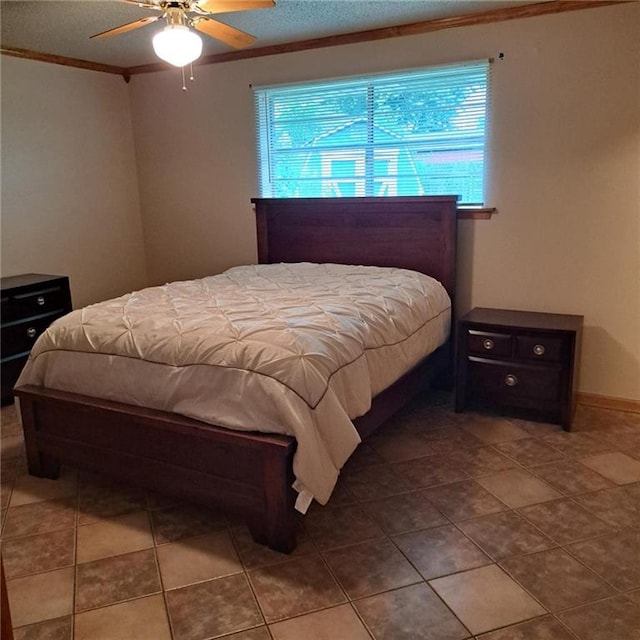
(296, 349)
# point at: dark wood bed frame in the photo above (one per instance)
(249, 474)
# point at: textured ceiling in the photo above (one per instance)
(63, 27)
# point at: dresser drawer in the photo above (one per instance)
(35, 303)
(542, 348)
(19, 337)
(511, 383)
(30, 303)
(488, 344)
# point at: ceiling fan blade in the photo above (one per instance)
(224, 6)
(143, 3)
(136, 24)
(220, 31)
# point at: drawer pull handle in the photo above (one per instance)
(510, 380)
(539, 349)
(31, 332)
(40, 301)
(488, 344)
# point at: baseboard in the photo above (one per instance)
(608, 402)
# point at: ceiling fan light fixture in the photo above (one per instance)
(177, 45)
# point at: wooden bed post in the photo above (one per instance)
(277, 527)
(40, 464)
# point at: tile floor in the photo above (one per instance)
(444, 526)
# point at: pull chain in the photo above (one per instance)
(191, 77)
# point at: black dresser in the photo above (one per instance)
(30, 303)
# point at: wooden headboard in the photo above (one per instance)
(413, 232)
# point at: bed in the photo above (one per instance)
(248, 472)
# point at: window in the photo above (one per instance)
(418, 132)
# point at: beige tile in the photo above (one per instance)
(110, 580)
(570, 477)
(58, 629)
(612, 619)
(545, 628)
(334, 527)
(480, 461)
(101, 498)
(197, 559)
(371, 567)
(142, 619)
(374, 482)
(491, 430)
(330, 624)
(505, 534)
(486, 598)
(440, 551)
(529, 451)
(410, 613)
(40, 517)
(41, 596)
(518, 488)
(10, 424)
(406, 512)
(618, 507)
(259, 633)
(401, 446)
(114, 537)
(11, 447)
(213, 608)
(255, 555)
(463, 500)
(294, 588)
(6, 486)
(556, 579)
(185, 521)
(28, 489)
(617, 467)
(430, 471)
(565, 521)
(35, 554)
(615, 557)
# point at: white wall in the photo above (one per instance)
(69, 185)
(565, 169)
(565, 172)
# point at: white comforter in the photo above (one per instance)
(294, 349)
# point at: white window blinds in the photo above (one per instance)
(419, 132)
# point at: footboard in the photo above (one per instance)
(248, 474)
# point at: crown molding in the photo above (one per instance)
(426, 26)
(27, 54)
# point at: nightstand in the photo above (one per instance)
(519, 363)
(30, 303)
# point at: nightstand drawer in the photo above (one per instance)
(542, 348)
(19, 337)
(488, 344)
(512, 383)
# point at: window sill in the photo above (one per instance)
(476, 213)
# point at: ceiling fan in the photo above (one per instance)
(177, 43)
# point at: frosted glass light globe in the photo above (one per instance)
(177, 45)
